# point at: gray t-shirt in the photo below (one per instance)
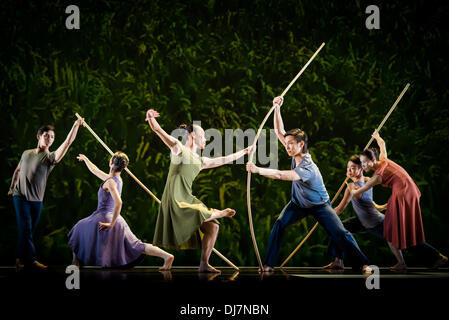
(34, 171)
(310, 190)
(365, 209)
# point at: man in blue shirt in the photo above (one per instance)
(309, 196)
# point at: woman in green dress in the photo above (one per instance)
(181, 214)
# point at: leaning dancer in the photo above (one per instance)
(181, 214)
(104, 238)
(28, 188)
(403, 226)
(368, 218)
(309, 196)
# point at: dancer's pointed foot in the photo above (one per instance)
(206, 267)
(442, 260)
(168, 261)
(228, 212)
(399, 267)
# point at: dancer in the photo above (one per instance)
(309, 196)
(403, 226)
(368, 218)
(181, 214)
(104, 238)
(28, 188)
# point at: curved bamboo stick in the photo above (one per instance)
(344, 182)
(248, 180)
(145, 188)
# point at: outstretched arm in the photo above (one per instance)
(287, 175)
(93, 168)
(380, 207)
(111, 186)
(15, 179)
(381, 144)
(171, 142)
(64, 147)
(278, 123)
(374, 180)
(209, 163)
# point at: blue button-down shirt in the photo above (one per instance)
(309, 191)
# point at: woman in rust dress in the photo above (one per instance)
(403, 227)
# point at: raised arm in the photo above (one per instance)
(381, 144)
(278, 123)
(93, 168)
(287, 175)
(62, 150)
(111, 186)
(374, 180)
(171, 142)
(209, 163)
(15, 179)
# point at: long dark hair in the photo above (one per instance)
(371, 153)
(299, 136)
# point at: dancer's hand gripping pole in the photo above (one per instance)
(248, 181)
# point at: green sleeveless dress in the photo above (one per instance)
(180, 213)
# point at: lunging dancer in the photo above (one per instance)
(368, 218)
(181, 214)
(309, 197)
(28, 188)
(104, 238)
(403, 227)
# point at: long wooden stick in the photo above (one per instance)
(145, 188)
(248, 180)
(344, 182)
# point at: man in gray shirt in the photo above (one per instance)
(28, 187)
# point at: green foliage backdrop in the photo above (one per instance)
(222, 62)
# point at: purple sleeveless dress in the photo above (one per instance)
(115, 247)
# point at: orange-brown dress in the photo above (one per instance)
(403, 225)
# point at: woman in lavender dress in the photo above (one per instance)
(104, 238)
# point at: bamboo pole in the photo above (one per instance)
(346, 179)
(248, 181)
(144, 187)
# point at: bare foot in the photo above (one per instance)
(39, 265)
(206, 267)
(228, 212)
(167, 263)
(335, 265)
(442, 260)
(399, 267)
(266, 269)
(367, 269)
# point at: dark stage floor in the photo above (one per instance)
(285, 292)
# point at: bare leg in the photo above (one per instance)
(158, 252)
(400, 266)
(337, 264)
(210, 230)
(217, 214)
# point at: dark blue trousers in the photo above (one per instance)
(327, 217)
(27, 214)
